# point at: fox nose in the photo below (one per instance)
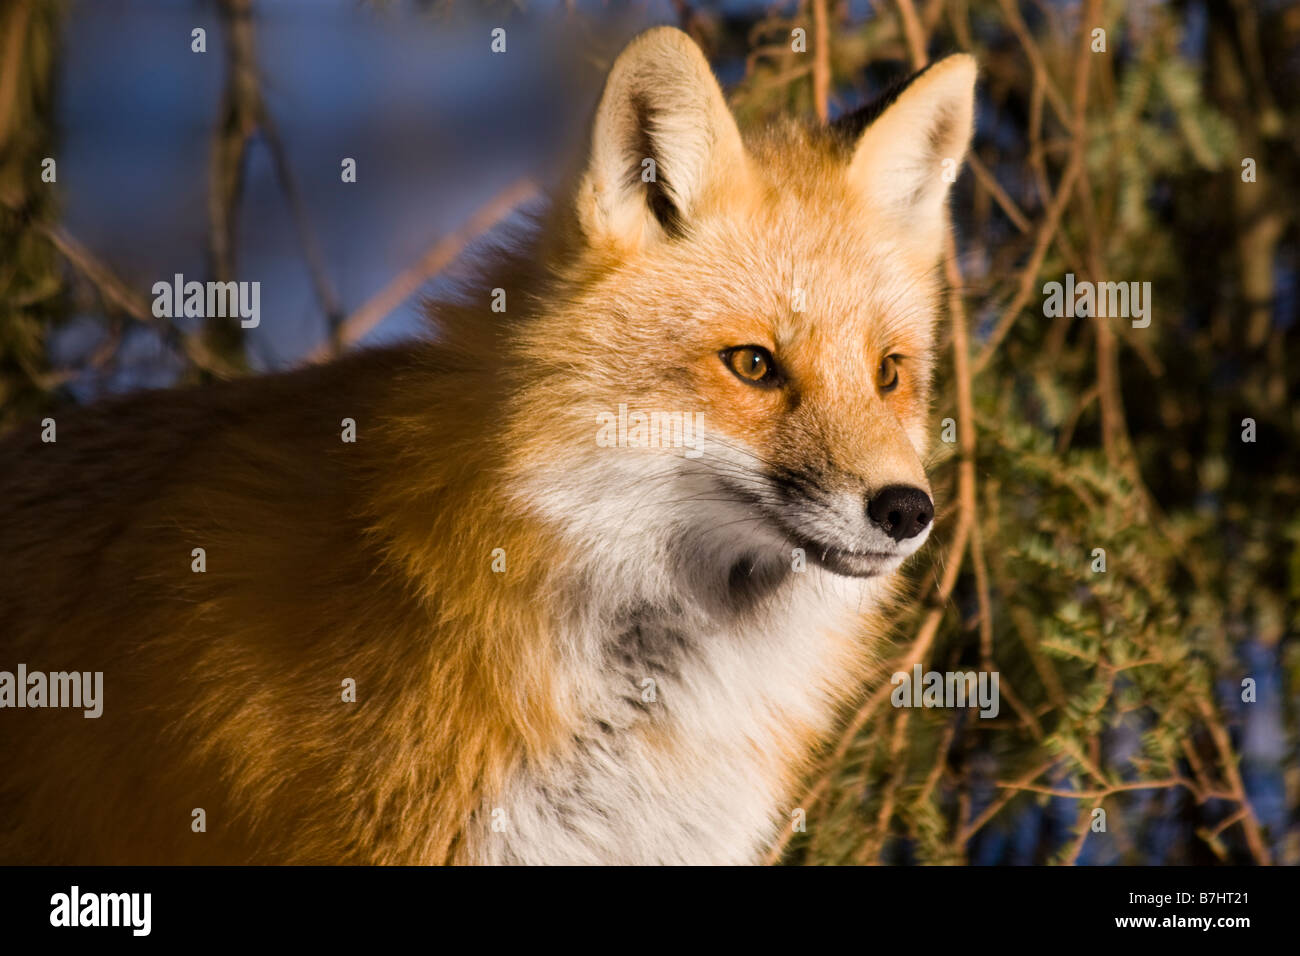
(900, 511)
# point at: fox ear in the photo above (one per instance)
(663, 138)
(911, 146)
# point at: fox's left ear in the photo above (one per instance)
(663, 144)
(911, 149)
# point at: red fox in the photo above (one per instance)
(582, 583)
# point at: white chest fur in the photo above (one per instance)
(685, 722)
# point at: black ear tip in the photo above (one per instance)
(852, 125)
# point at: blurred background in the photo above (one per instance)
(1139, 142)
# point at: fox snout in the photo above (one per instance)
(839, 525)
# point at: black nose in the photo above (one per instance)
(900, 511)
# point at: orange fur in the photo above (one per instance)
(373, 560)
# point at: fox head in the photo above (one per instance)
(736, 359)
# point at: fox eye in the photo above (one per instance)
(752, 364)
(887, 374)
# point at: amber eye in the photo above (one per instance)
(887, 374)
(752, 364)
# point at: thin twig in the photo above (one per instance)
(116, 292)
(441, 254)
(821, 61)
(15, 33)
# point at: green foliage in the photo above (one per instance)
(31, 289)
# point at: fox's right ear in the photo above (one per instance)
(663, 140)
(910, 146)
